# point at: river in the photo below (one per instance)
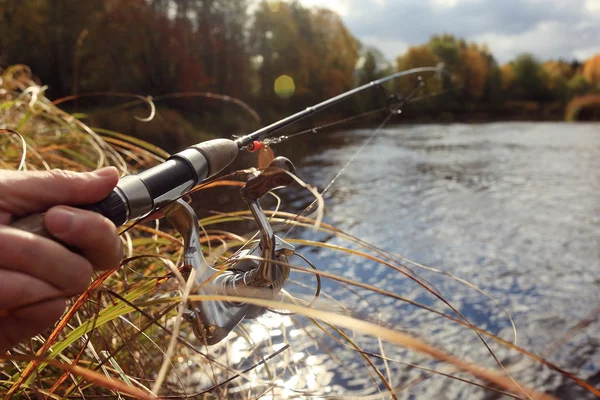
(512, 208)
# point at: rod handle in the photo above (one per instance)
(33, 223)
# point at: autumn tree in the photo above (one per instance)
(591, 70)
(419, 56)
(337, 49)
(313, 47)
(474, 70)
(557, 74)
(472, 67)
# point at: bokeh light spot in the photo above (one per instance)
(274, 5)
(285, 86)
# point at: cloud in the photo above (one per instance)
(386, 46)
(546, 28)
(546, 40)
(339, 6)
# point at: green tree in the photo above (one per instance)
(371, 66)
(529, 78)
(43, 34)
(578, 86)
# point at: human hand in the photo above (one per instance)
(37, 275)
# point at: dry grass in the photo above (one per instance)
(113, 339)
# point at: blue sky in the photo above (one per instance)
(549, 29)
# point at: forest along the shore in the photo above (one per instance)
(278, 57)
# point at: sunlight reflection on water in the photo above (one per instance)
(511, 207)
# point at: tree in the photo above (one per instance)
(43, 34)
(508, 76)
(338, 51)
(419, 56)
(578, 86)
(277, 48)
(474, 70)
(591, 70)
(447, 48)
(558, 73)
(469, 64)
(371, 66)
(529, 78)
(313, 47)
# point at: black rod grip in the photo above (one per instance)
(168, 175)
(112, 207)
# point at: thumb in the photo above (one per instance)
(23, 193)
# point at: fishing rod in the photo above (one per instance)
(258, 269)
(137, 196)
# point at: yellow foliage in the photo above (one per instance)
(555, 69)
(508, 75)
(339, 51)
(474, 72)
(591, 69)
(419, 56)
(557, 73)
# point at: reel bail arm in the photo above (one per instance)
(213, 320)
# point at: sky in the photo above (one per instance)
(550, 29)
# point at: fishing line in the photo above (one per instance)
(318, 128)
(336, 177)
(401, 102)
(365, 114)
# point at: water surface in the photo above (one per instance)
(513, 208)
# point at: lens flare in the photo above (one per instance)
(285, 86)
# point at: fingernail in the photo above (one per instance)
(60, 220)
(105, 172)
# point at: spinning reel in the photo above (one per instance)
(259, 271)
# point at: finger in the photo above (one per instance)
(44, 259)
(29, 321)
(18, 290)
(28, 192)
(90, 232)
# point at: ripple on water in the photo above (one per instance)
(510, 207)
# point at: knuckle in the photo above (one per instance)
(62, 174)
(66, 180)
